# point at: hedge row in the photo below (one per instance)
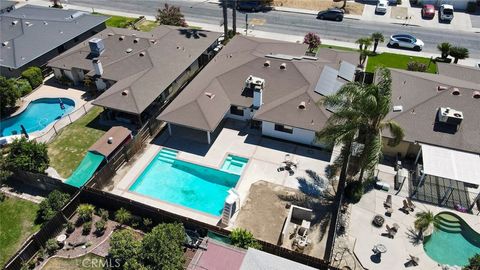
(34, 76)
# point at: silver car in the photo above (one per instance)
(406, 41)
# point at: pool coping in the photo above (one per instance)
(178, 206)
(37, 133)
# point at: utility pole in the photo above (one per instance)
(225, 19)
(246, 24)
(234, 17)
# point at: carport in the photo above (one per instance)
(450, 174)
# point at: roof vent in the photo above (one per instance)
(110, 140)
(455, 91)
(398, 108)
(121, 38)
(142, 54)
(45, 22)
(5, 43)
(129, 50)
(441, 88)
(153, 41)
(14, 22)
(124, 92)
(266, 64)
(209, 95)
(28, 24)
(61, 32)
(178, 47)
(110, 34)
(302, 106)
(283, 66)
(136, 40)
(476, 94)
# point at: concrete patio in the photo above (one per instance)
(365, 235)
(265, 157)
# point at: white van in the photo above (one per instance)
(446, 12)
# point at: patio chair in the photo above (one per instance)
(406, 208)
(412, 261)
(410, 204)
(391, 231)
(388, 202)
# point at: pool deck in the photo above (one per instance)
(364, 235)
(265, 157)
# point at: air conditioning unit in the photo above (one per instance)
(254, 82)
(232, 202)
(449, 116)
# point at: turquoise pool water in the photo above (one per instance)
(38, 114)
(186, 184)
(234, 164)
(453, 242)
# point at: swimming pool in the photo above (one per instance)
(38, 114)
(453, 242)
(190, 185)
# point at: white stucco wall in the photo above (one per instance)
(69, 75)
(299, 135)
(57, 72)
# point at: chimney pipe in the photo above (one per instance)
(97, 65)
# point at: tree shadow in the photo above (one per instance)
(316, 186)
(192, 33)
(416, 238)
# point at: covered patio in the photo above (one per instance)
(447, 177)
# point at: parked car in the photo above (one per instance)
(406, 41)
(381, 7)
(477, 65)
(331, 14)
(446, 12)
(428, 11)
(250, 5)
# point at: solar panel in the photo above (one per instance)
(327, 83)
(347, 71)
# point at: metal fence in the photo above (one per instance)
(47, 135)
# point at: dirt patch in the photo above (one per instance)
(317, 5)
(264, 213)
(399, 13)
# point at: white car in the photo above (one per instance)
(406, 41)
(477, 65)
(381, 7)
(446, 12)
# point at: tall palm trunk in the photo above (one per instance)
(225, 18)
(234, 17)
(375, 45)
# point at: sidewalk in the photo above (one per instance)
(256, 33)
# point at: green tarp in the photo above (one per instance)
(85, 170)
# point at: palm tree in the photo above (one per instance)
(444, 48)
(424, 220)
(359, 118)
(377, 37)
(364, 43)
(458, 53)
(234, 17)
(225, 19)
(122, 216)
(85, 211)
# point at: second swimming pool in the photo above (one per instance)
(187, 184)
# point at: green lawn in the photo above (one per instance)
(147, 26)
(86, 262)
(67, 150)
(336, 48)
(399, 61)
(17, 218)
(119, 21)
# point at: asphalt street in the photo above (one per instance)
(294, 24)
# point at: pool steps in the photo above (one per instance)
(167, 155)
(448, 223)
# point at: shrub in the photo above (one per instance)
(123, 216)
(34, 76)
(28, 156)
(8, 94)
(70, 227)
(162, 247)
(85, 212)
(52, 246)
(49, 207)
(87, 227)
(23, 87)
(147, 223)
(2, 196)
(100, 226)
(124, 246)
(312, 40)
(136, 220)
(471, 7)
(244, 239)
(354, 191)
(171, 15)
(474, 263)
(416, 66)
(103, 213)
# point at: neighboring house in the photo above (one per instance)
(271, 84)
(7, 6)
(32, 35)
(137, 72)
(419, 97)
(218, 255)
(457, 4)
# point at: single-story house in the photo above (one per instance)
(270, 84)
(136, 72)
(32, 35)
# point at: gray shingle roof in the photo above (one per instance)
(417, 93)
(7, 4)
(470, 74)
(225, 76)
(260, 260)
(32, 31)
(167, 52)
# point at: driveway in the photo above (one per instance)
(475, 19)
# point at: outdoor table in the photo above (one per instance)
(379, 248)
(61, 238)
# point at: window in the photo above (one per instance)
(236, 110)
(283, 128)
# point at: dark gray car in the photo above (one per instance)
(335, 14)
